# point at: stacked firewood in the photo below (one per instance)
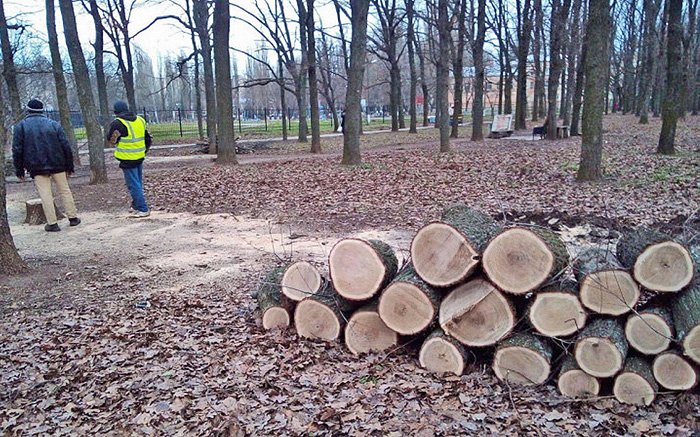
(473, 288)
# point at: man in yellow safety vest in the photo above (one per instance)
(132, 140)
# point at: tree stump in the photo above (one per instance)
(408, 305)
(366, 332)
(657, 262)
(359, 269)
(574, 382)
(274, 305)
(519, 260)
(301, 279)
(686, 317)
(442, 354)
(523, 359)
(601, 348)
(322, 316)
(476, 314)
(606, 288)
(650, 331)
(446, 252)
(556, 310)
(673, 372)
(635, 384)
(35, 212)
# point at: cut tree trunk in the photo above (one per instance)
(366, 332)
(446, 252)
(556, 310)
(606, 287)
(520, 260)
(656, 261)
(673, 372)
(574, 382)
(650, 331)
(408, 305)
(301, 279)
(686, 317)
(35, 212)
(322, 316)
(601, 348)
(477, 314)
(275, 307)
(442, 354)
(635, 384)
(359, 268)
(523, 359)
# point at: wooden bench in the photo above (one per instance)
(562, 131)
(500, 126)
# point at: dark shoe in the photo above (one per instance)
(52, 228)
(74, 221)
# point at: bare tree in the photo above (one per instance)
(538, 105)
(673, 97)
(560, 12)
(478, 59)
(460, 16)
(306, 14)
(411, 42)
(9, 71)
(524, 32)
(201, 22)
(226, 151)
(423, 79)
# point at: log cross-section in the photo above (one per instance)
(322, 316)
(359, 269)
(686, 317)
(673, 372)
(301, 279)
(556, 310)
(601, 348)
(275, 307)
(650, 331)
(606, 287)
(366, 332)
(635, 384)
(574, 382)
(442, 354)
(523, 359)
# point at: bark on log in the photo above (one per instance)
(442, 354)
(574, 382)
(635, 384)
(673, 372)
(556, 310)
(657, 262)
(606, 288)
(446, 252)
(366, 332)
(275, 307)
(301, 279)
(322, 316)
(686, 317)
(409, 305)
(650, 331)
(601, 348)
(523, 359)
(35, 212)
(359, 268)
(519, 260)
(476, 314)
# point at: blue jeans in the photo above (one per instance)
(134, 182)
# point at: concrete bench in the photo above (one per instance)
(562, 131)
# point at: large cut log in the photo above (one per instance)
(601, 348)
(657, 262)
(408, 305)
(35, 212)
(556, 310)
(650, 331)
(301, 279)
(366, 332)
(673, 372)
(276, 308)
(476, 314)
(322, 316)
(519, 260)
(446, 252)
(686, 317)
(574, 382)
(523, 359)
(359, 268)
(442, 354)
(635, 384)
(606, 288)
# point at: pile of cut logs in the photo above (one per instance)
(475, 289)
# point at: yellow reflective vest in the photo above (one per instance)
(132, 146)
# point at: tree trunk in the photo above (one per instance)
(60, 81)
(556, 310)
(650, 331)
(574, 382)
(308, 17)
(519, 260)
(275, 307)
(578, 92)
(201, 20)
(447, 252)
(458, 67)
(478, 58)
(411, 42)
(635, 384)
(226, 144)
(606, 287)
(601, 348)
(686, 317)
(9, 70)
(673, 372)
(360, 269)
(524, 31)
(523, 359)
(442, 354)
(87, 104)
(651, 12)
(539, 77)
(283, 99)
(572, 58)
(366, 332)
(673, 97)
(560, 12)
(597, 49)
(100, 76)
(423, 82)
(353, 94)
(443, 75)
(300, 279)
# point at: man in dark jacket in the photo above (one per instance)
(128, 132)
(41, 147)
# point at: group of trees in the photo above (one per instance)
(580, 59)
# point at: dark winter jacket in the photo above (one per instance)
(41, 147)
(117, 130)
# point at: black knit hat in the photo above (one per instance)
(120, 106)
(35, 105)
